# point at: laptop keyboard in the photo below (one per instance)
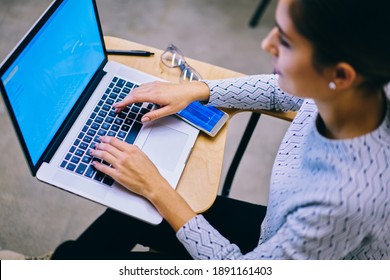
(104, 121)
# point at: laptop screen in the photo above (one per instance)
(46, 79)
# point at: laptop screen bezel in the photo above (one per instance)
(74, 112)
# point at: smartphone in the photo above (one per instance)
(205, 118)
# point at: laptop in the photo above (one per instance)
(59, 88)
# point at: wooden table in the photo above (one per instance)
(200, 180)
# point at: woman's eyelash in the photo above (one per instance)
(283, 42)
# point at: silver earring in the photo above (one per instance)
(332, 85)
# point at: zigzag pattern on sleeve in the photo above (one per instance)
(252, 92)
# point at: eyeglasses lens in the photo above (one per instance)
(173, 57)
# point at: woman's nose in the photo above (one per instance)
(269, 43)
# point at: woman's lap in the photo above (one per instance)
(113, 235)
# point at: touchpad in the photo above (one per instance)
(164, 146)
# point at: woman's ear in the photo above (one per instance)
(344, 76)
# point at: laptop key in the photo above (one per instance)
(118, 121)
(121, 134)
(135, 129)
(83, 146)
(106, 126)
(99, 120)
(110, 101)
(125, 127)
(79, 153)
(113, 96)
(132, 116)
(144, 111)
(115, 127)
(122, 115)
(111, 133)
(87, 159)
(128, 121)
(71, 167)
(95, 126)
(134, 109)
(120, 83)
(106, 107)
(75, 160)
(109, 119)
(99, 176)
(102, 114)
(102, 132)
(81, 168)
(88, 139)
(108, 180)
(126, 110)
(90, 171)
(91, 132)
(139, 117)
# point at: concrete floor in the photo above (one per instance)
(34, 217)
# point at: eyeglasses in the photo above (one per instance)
(172, 57)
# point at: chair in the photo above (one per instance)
(258, 13)
(239, 153)
(253, 120)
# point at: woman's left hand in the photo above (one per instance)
(135, 171)
(130, 166)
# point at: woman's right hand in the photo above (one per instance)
(171, 97)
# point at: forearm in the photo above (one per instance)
(251, 93)
(172, 207)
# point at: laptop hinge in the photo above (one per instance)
(72, 116)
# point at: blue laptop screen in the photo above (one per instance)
(50, 74)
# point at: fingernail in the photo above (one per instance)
(145, 119)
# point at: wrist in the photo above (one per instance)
(172, 207)
(201, 92)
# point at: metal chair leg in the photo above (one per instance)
(258, 13)
(239, 153)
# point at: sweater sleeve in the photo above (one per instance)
(308, 233)
(204, 242)
(251, 92)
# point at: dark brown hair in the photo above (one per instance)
(352, 31)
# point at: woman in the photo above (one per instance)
(330, 187)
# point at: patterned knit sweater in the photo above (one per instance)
(329, 199)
